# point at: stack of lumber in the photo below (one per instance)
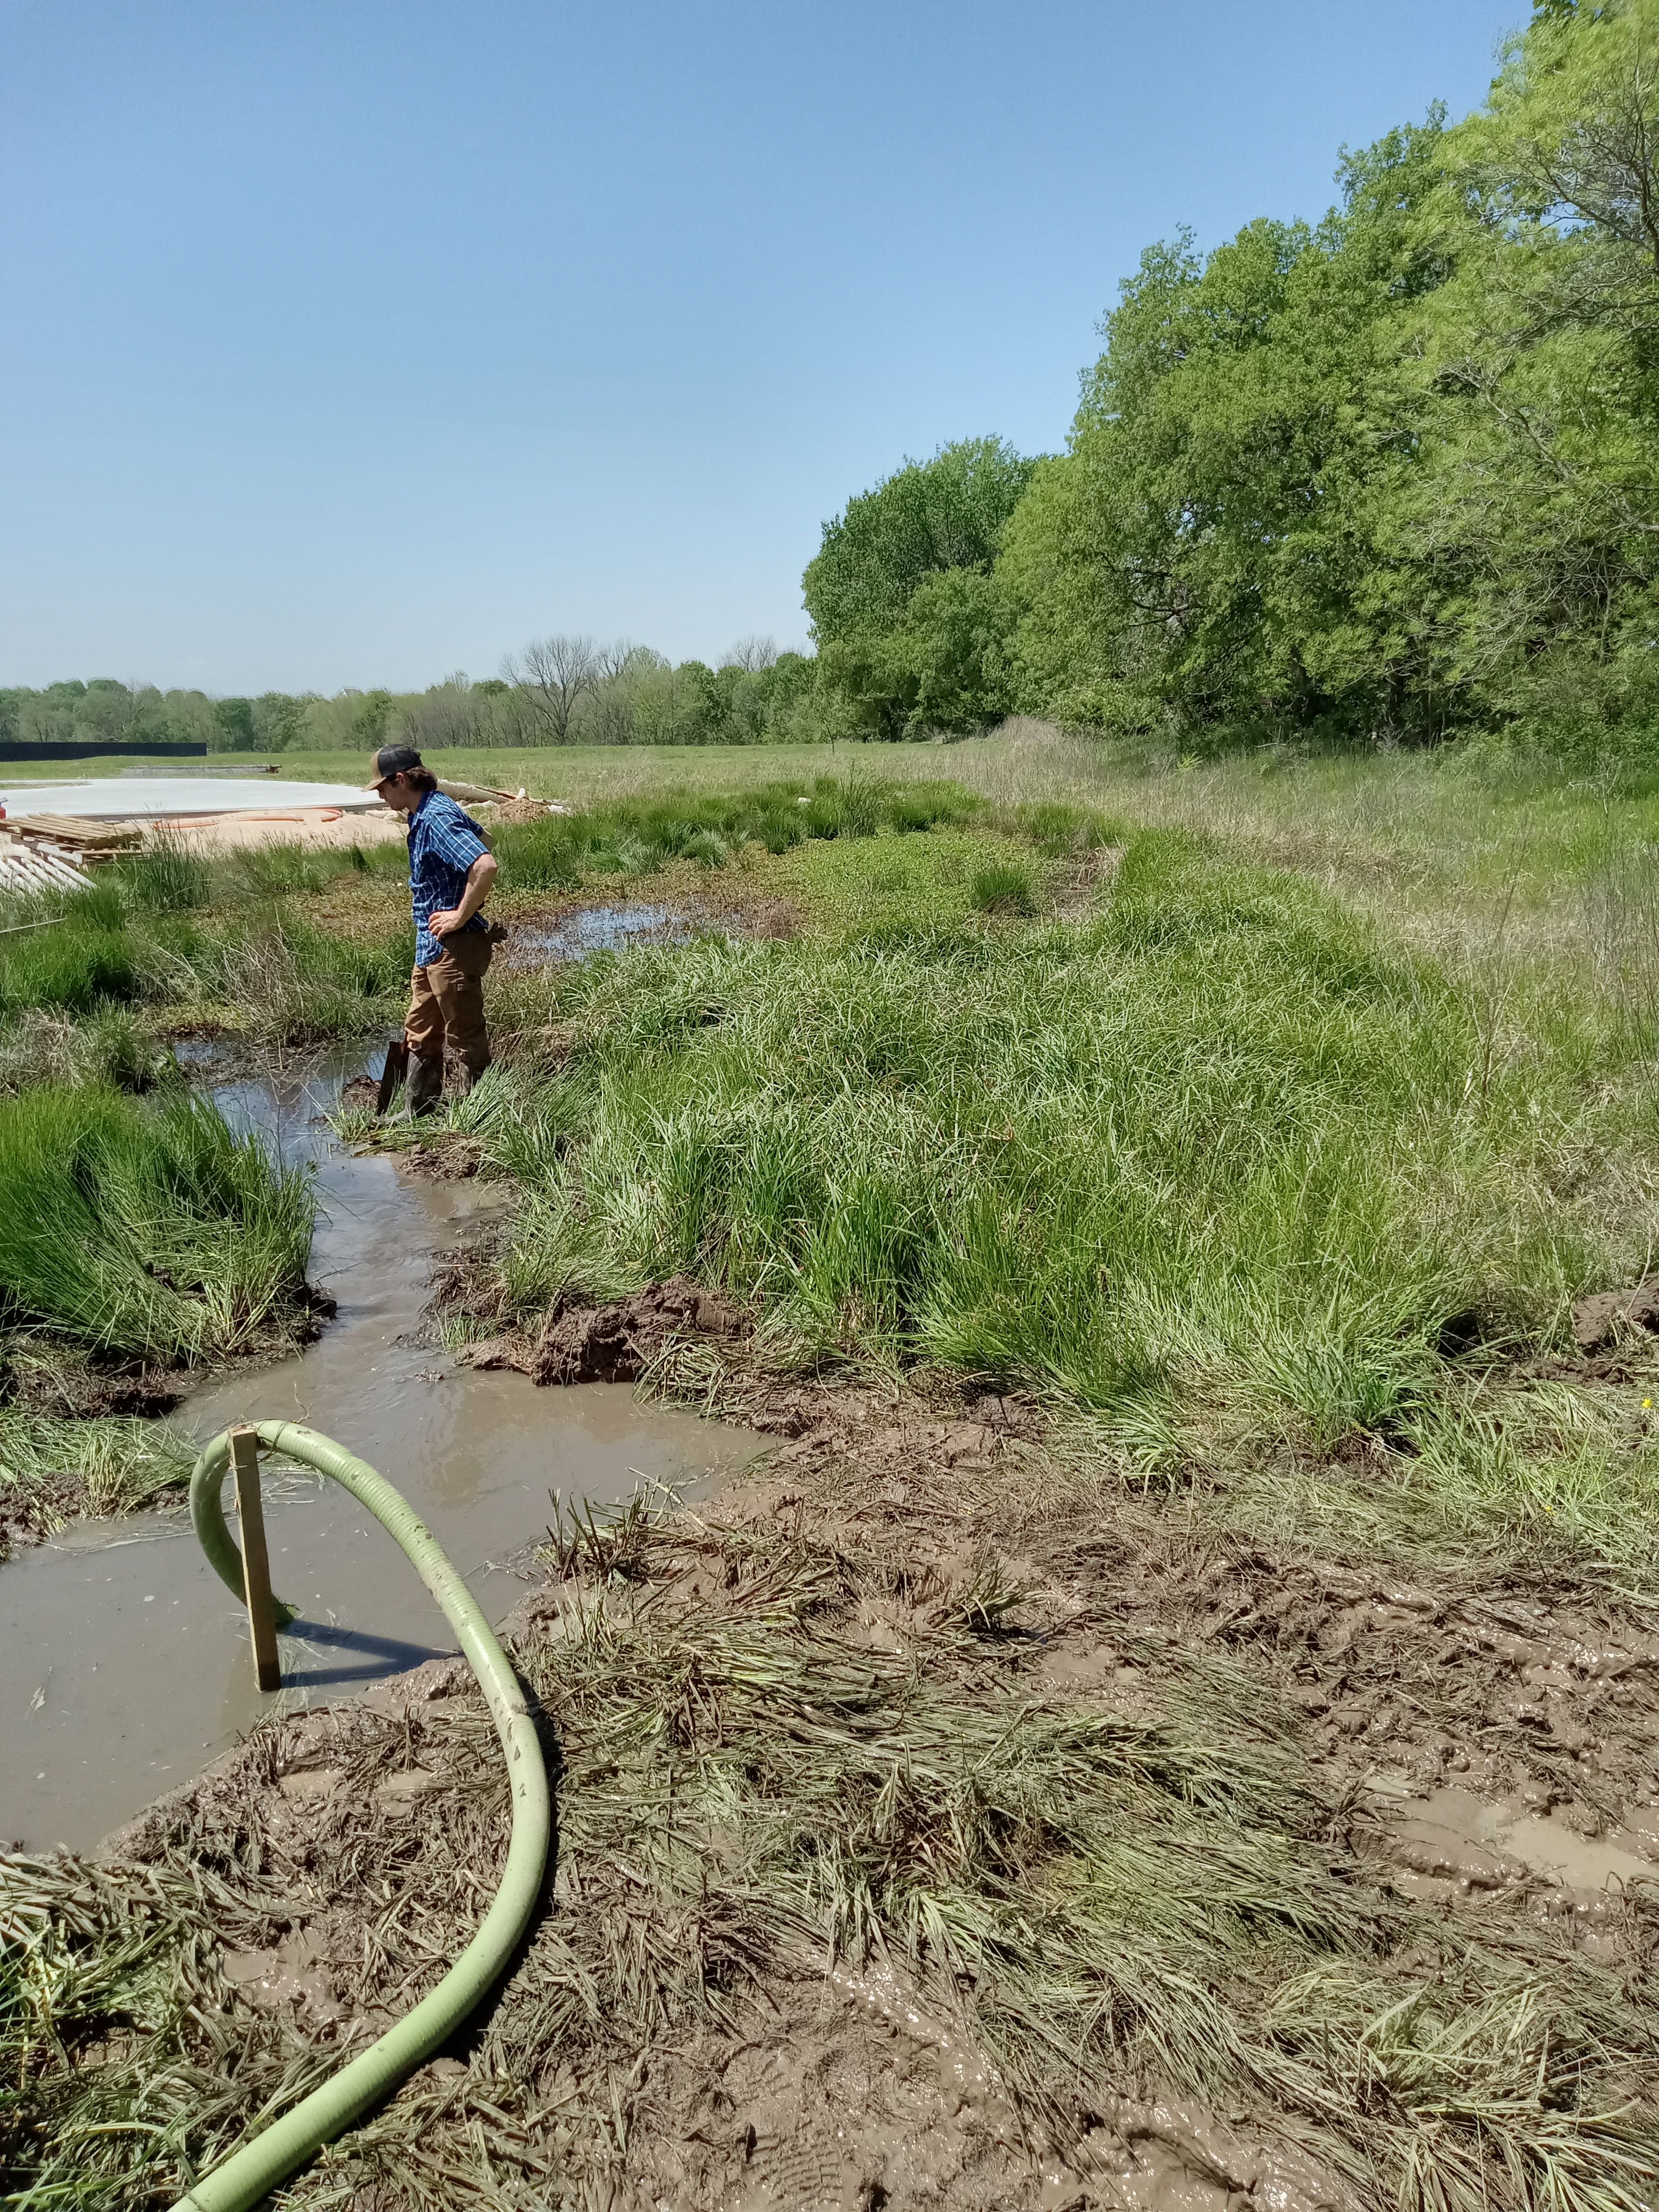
(83, 834)
(37, 864)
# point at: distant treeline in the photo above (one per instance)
(559, 690)
(1388, 478)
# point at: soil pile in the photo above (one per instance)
(612, 1343)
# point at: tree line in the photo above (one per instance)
(1391, 476)
(559, 690)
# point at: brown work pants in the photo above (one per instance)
(446, 1008)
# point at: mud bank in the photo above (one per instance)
(941, 1825)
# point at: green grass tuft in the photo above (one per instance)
(1004, 887)
(169, 877)
(150, 1231)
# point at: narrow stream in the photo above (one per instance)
(123, 1662)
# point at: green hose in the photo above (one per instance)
(253, 2172)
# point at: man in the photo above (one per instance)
(451, 870)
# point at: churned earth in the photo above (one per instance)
(941, 1822)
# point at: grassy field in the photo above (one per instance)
(1435, 833)
(1242, 1138)
(1214, 1104)
(1215, 1100)
(578, 773)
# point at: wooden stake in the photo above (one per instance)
(256, 1562)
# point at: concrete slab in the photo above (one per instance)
(155, 798)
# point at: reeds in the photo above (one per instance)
(170, 876)
(147, 1231)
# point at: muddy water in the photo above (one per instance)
(599, 929)
(1455, 1842)
(123, 1662)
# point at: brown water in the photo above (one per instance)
(1455, 1842)
(123, 1660)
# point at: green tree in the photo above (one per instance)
(1213, 556)
(278, 720)
(903, 602)
(371, 713)
(234, 719)
(947, 513)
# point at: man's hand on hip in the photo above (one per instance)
(446, 923)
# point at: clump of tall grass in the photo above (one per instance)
(170, 876)
(281, 867)
(633, 836)
(1003, 887)
(1219, 1142)
(268, 971)
(52, 1470)
(148, 1230)
(276, 978)
(112, 1046)
(1056, 827)
(79, 958)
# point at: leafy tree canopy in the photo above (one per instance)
(947, 513)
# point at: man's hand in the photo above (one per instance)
(479, 877)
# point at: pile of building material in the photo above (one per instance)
(89, 839)
(51, 834)
(31, 863)
(52, 852)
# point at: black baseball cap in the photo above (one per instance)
(394, 760)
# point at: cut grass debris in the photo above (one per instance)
(53, 1471)
(1064, 1898)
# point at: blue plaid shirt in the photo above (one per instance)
(443, 843)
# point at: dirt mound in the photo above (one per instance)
(516, 810)
(611, 1343)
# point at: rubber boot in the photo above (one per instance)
(426, 1082)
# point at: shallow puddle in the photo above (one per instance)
(123, 1662)
(1455, 1842)
(598, 929)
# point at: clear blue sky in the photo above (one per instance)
(347, 341)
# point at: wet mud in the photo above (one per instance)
(354, 1843)
(582, 931)
(617, 1342)
(1474, 1757)
(574, 930)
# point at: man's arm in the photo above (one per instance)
(479, 877)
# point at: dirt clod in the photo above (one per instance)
(1598, 1319)
(615, 1343)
